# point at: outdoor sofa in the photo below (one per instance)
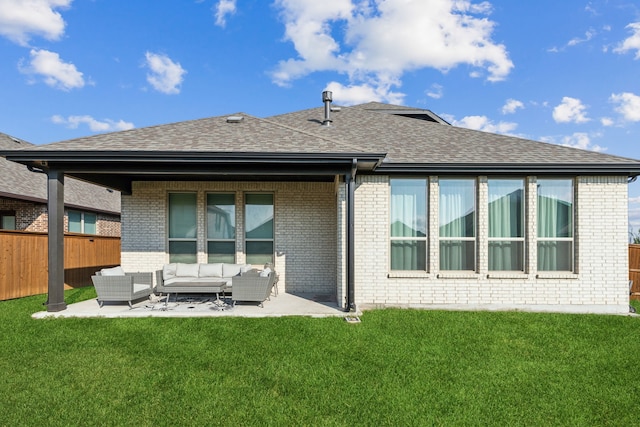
(113, 284)
(178, 278)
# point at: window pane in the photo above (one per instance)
(221, 252)
(90, 223)
(408, 255)
(506, 256)
(8, 222)
(457, 208)
(182, 215)
(182, 252)
(408, 208)
(555, 208)
(259, 216)
(555, 256)
(505, 208)
(259, 252)
(457, 255)
(75, 222)
(221, 216)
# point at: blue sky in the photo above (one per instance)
(562, 72)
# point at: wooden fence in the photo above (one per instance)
(634, 269)
(23, 261)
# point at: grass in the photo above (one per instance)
(397, 367)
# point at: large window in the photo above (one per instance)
(221, 228)
(182, 227)
(555, 225)
(259, 230)
(82, 222)
(457, 224)
(506, 224)
(408, 224)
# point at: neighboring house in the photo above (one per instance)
(89, 208)
(374, 205)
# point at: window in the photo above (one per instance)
(8, 220)
(221, 228)
(408, 224)
(82, 222)
(506, 224)
(182, 227)
(259, 230)
(457, 224)
(555, 225)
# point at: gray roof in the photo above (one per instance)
(409, 141)
(383, 138)
(16, 181)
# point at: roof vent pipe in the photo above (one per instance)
(326, 98)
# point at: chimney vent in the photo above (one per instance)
(327, 98)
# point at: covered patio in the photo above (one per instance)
(284, 304)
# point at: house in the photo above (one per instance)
(372, 205)
(89, 208)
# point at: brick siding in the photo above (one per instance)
(599, 283)
(305, 229)
(32, 216)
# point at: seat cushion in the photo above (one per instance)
(169, 271)
(187, 270)
(114, 271)
(210, 270)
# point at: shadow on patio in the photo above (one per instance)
(284, 304)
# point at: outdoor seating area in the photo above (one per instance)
(198, 290)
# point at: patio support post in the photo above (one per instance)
(351, 191)
(55, 207)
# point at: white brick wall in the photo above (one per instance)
(305, 229)
(600, 282)
(310, 230)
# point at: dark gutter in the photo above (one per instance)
(627, 169)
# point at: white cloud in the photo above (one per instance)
(19, 19)
(628, 105)
(55, 72)
(571, 110)
(224, 8)
(435, 92)
(107, 125)
(631, 43)
(484, 124)
(511, 106)
(375, 43)
(358, 94)
(582, 141)
(165, 75)
(577, 40)
(606, 121)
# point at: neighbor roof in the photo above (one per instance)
(17, 182)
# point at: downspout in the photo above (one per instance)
(351, 190)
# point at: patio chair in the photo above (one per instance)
(114, 284)
(252, 286)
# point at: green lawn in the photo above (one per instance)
(397, 367)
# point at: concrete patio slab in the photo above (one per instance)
(284, 304)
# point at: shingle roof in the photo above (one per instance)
(409, 141)
(17, 181)
(367, 128)
(213, 134)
